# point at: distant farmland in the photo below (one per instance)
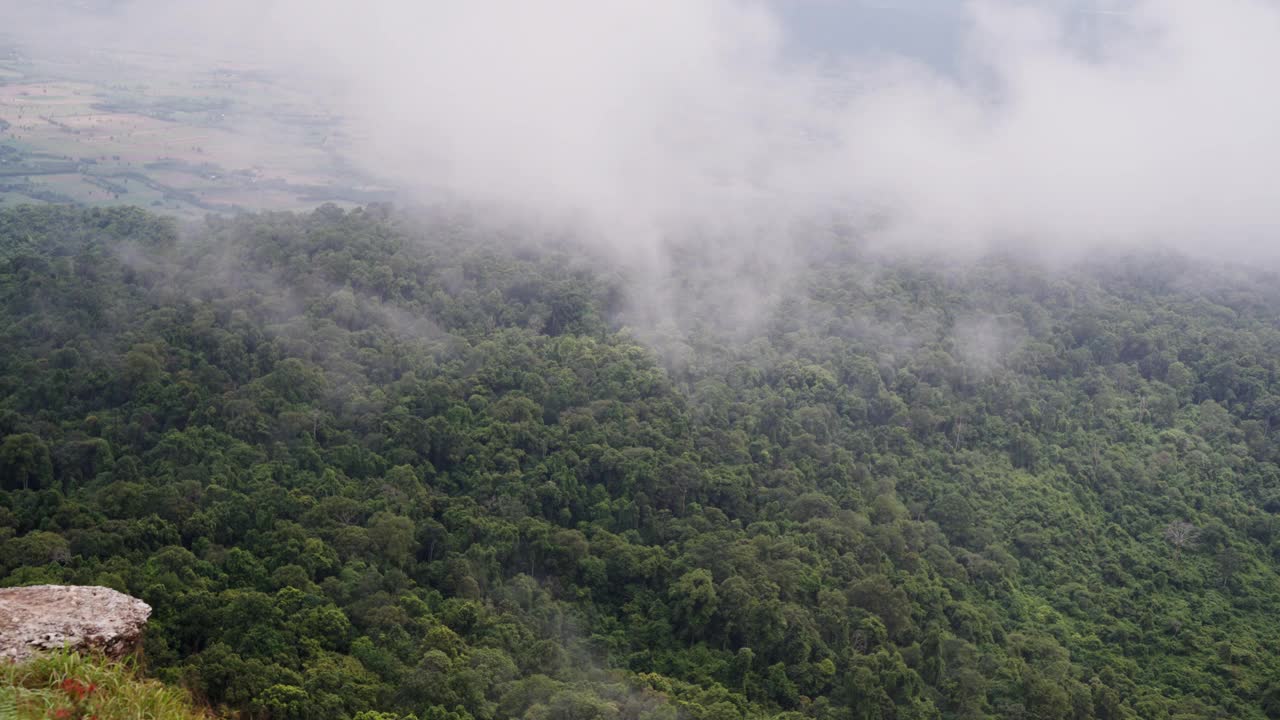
(96, 133)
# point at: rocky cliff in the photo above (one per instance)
(50, 617)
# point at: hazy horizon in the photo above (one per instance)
(931, 125)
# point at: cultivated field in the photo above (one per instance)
(110, 127)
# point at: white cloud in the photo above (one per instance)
(1155, 124)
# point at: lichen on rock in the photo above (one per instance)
(53, 617)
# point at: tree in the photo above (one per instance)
(694, 602)
(393, 536)
(1180, 534)
(25, 462)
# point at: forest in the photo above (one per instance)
(376, 466)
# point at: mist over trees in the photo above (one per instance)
(1060, 125)
(369, 466)
(728, 373)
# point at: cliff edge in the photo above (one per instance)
(52, 617)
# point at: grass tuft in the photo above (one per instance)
(76, 687)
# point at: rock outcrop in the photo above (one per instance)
(51, 617)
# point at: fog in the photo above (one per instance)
(928, 126)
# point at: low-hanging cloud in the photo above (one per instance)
(636, 121)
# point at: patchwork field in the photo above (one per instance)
(187, 141)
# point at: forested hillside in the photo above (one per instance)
(370, 468)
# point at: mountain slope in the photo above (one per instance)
(357, 463)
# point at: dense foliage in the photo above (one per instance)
(363, 469)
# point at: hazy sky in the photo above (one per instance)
(954, 124)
